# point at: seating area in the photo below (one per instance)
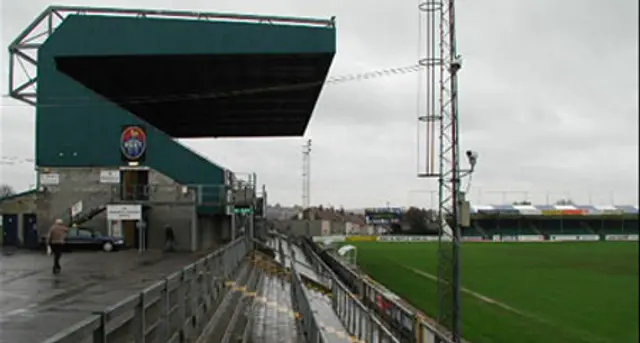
(564, 227)
(631, 227)
(617, 226)
(473, 231)
(507, 227)
(488, 227)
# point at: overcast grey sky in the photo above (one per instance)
(548, 95)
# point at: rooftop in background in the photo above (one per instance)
(17, 195)
(555, 209)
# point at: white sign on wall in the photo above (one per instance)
(49, 179)
(124, 212)
(110, 176)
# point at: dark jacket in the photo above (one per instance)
(168, 234)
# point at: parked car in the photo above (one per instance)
(80, 238)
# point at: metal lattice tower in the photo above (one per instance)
(440, 121)
(306, 174)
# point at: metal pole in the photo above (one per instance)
(194, 230)
(443, 63)
(233, 225)
(142, 226)
(306, 184)
(253, 206)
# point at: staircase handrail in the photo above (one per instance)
(90, 202)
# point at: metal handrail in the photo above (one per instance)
(189, 294)
(423, 331)
(300, 301)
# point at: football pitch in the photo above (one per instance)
(523, 292)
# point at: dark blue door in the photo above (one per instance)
(10, 229)
(30, 230)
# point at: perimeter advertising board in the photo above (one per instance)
(399, 238)
(621, 238)
(574, 238)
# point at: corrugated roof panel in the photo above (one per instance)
(555, 209)
(628, 209)
(529, 210)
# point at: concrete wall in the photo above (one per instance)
(313, 228)
(84, 184)
(75, 184)
(19, 204)
(244, 197)
(180, 218)
(212, 231)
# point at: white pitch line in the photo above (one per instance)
(476, 295)
(504, 306)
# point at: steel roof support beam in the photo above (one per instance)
(30, 40)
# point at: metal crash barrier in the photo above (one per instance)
(173, 310)
(356, 318)
(300, 301)
(366, 310)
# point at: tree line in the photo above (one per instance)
(6, 190)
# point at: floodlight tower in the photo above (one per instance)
(306, 184)
(306, 174)
(440, 122)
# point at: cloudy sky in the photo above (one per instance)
(548, 96)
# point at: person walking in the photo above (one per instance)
(169, 238)
(55, 240)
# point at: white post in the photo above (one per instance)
(355, 257)
(140, 236)
(194, 229)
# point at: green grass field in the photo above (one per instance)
(543, 292)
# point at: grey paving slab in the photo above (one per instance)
(34, 304)
(270, 323)
(325, 315)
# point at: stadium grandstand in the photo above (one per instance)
(571, 222)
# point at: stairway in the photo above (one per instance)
(588, 228)
(535, 229)
(87, 215)
(476, 225)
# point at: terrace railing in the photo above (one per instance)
(355, 316)
(357, 319)
(171, 310)
(308, 323)
(360, 316)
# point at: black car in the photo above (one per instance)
(86, 239)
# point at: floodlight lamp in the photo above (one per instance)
(456, 64)
(472, 157)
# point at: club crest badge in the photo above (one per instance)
(133, 142)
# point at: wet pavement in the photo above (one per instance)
(272, 323)
(36, 304)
